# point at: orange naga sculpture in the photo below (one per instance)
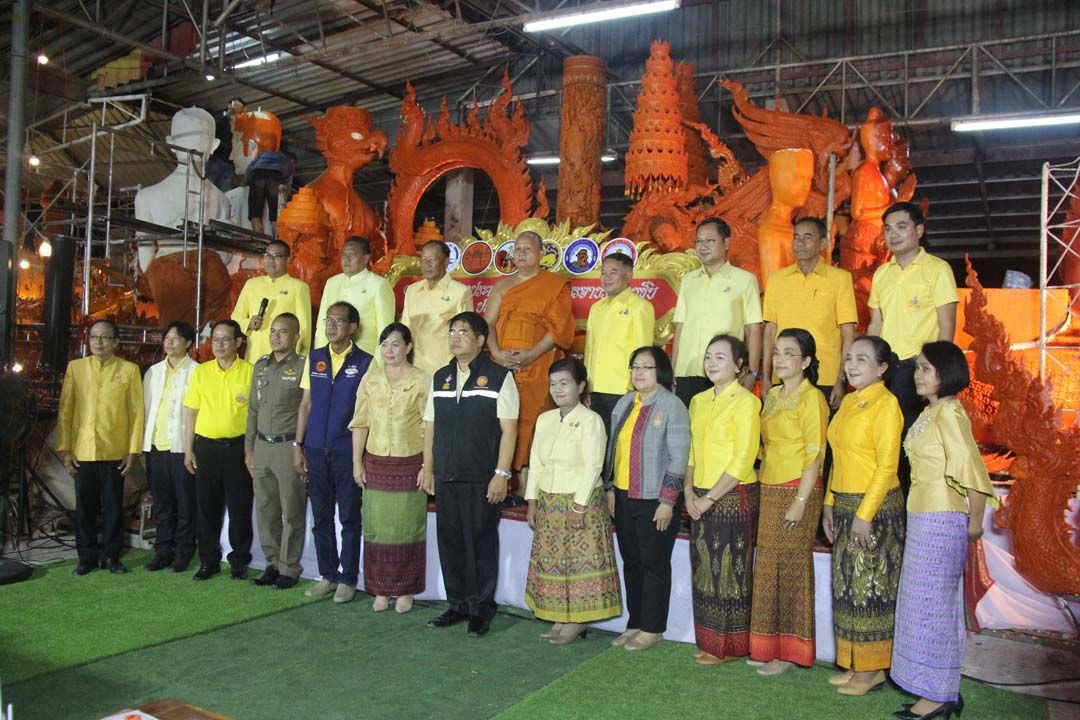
(697, 164)
(791, 173)
(581, 137)
(421, 156)
(657, 159)
(317, 230)
(1045, 471)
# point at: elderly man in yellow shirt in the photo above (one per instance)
(618, 324)
(716, 299)
(215, 421)
(98, 437)
(267, 296)
(369, 293)
(816, 297)
(429, 305)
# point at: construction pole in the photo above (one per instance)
(20, 24)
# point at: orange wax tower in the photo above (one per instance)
(656, 159)
(697, 166)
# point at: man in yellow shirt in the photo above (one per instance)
(267, 296)
(215, 420)
(816, 297)
(429, 305)
(98, 438)
(369, 293)
(716, 299)
(618, 324)
(912, 301)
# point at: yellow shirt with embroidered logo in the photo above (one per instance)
(285, 294)
(221, 397)
(427, 312)
(567, 454)
(373, 299)
(616, 327)
(397, 410)
(707, 306)
(101, 410)
(793, 433)
(908, 300)
(725, 435)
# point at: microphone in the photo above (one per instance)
(262, 307)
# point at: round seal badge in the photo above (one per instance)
(476, 259)
(621, 245)
(504, 258)
(552, 255)
(455, 257)
(581, 256)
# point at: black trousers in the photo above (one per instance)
(646, 556)
(222, 481)
(467, 528)
(603, 404)
(263, 193)
(902, 385)
(99, 486)
(687, 387)
(175, 507)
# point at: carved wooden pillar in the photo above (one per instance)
(458, 219)
(581, 138)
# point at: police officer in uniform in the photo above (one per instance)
(280, 495)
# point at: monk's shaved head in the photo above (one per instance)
(534, 237)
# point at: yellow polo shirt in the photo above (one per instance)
(707, 306)
(221, 397)
(908, 299)
(793, 432)
(725, 435)
(427, 314)
(101, 410)
(372, 297)
(336, 361)
(818, 302)
(286, 294)
(623, 444)
(616, 327)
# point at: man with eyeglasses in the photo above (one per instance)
(429, 305)
(369, 293)
(280, 495)
(716, 299)
(816, 297)
(267, 296)
(215, 421)
(470, 427)
(98, 438)
(322, 451)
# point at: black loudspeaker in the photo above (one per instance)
(59, 286)
(8, 258)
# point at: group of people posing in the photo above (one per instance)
(374, 418)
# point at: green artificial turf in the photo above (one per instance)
(321, 661)
(665, 682)
(56, 620)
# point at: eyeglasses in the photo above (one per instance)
(102, 338)
(642, 367)
(275, 256)
(335, 322)
(459, 333)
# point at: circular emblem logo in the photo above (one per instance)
(320, 366)
(504, 258)
(476, 258)
(581, 256)
(482, 381)
(552, 255)
(621, 245)
(455, 257)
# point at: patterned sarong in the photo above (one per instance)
(395, 526)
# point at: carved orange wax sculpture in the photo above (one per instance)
(697, 165)
(581, 136)
(790, 174)
(259, 131)
(426, 233)
(348, 140)
(656, 159)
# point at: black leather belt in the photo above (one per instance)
(238, 440)
(274, 439)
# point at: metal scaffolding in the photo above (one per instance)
(1059, 250)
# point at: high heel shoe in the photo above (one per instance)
(859, 689)
(943, 711)
(841, 678)
(553, 632)
(403, 604)
(570, 633)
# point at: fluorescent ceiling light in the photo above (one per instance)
(261, 60)
(1014, 122)
(554, 160)
(210, 78)
(600, 14)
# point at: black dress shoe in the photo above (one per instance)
(284, 582)
(448, 618)
(116, 567)
(83, 568)
(478, 627)
(268, 577)
(239, 572)
(205, 572)
(158, 563)
(179, 566)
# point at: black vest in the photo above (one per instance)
(467, 431)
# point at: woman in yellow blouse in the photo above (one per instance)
(793, 424)
(949, 491)
(722, 499)
(572, 577)
(863, 517)
(387, 424)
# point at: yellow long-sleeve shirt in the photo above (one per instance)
(101, 410)
(725, 435)
(567, 454)
(865, 440)
(285, 294)
(793, 430)
(616, 327)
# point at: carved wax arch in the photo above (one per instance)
(421, 156)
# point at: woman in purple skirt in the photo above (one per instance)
(949, 491)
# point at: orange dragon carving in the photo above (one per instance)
(1045, 470)
(421, 156)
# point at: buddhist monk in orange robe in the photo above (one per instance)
(533, 325)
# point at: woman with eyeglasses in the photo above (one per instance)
(388, 457)
(722, 501)
(643, 470)
(793, 424)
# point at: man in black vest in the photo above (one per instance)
(469, 435)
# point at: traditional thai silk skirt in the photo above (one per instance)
(572, 574)
(865, 581)
(929, 644)
(722, 569)
(395, 526)
(782, 619)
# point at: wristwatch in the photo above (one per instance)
(504, 474)
(297, 445)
